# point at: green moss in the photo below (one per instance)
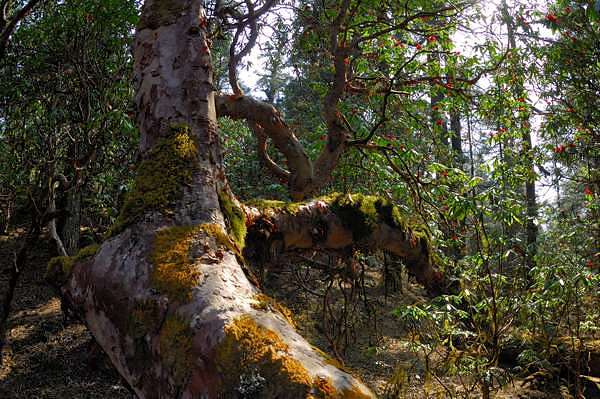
(175, 340)
(160, 178)
(144, 316)
(252, 350)
(234, 217)
(87, 252)
(362, 213)
(359, 213)
(174, 273)
(290, 207)
(60, 267)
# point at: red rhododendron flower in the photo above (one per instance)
(552, 18)
(587, 191)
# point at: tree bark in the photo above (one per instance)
(166, 296)
(70, 230)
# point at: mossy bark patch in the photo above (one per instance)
(254, 362)
(234, 217)
(362, 213)
(59, 268)
(251, 352)
(265, 302)
(290, 207)
(144, 317)
(160, 179)
(174, 273)
(175, 342)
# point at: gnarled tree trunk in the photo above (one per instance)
(166, 295)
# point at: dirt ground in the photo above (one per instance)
(45, 357)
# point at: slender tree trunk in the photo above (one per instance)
(70, 230)
(455, 138)
(531, 229)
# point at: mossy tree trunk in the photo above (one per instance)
(166, 295)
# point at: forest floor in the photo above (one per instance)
(380, 352)
(44, 357)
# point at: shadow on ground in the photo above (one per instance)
(43, 356)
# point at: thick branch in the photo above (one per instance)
(261, 146)
(346, 221)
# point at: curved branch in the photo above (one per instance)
(243, 21)
(346, 221)
(271, 123)
(9, 26)
(261, 146)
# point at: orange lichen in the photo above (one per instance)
(354, 393)
(174, 273)
(324, 387)
(250, 352)
(250, 349)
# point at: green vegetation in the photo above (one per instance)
(234, 218)
(59, 268)
(160, 178)
(481, 149)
